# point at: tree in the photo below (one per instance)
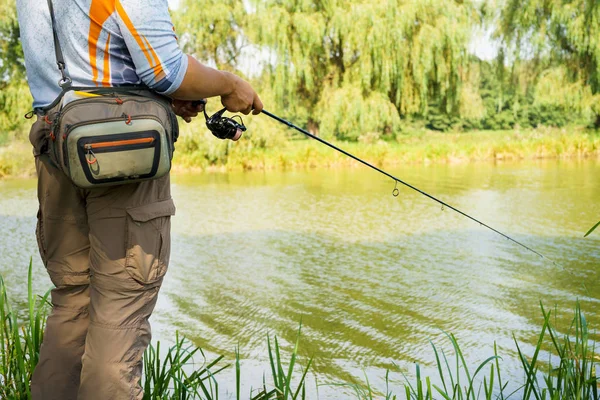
(14, 95)
(393, 55)
(12, 64)
(564, 34)
(212, 30)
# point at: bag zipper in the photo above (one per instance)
(108, 100)
(129, 142)
(113, 119)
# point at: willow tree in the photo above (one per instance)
(389, 58)
(14, 94)
(11, 53)
(212, 30)
(564, 37)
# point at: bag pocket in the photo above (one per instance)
(116, 152)
(149, 241)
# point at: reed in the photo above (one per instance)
(20, 342)
(176, 375)
(572, 377)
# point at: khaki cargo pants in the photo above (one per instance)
(106, 251)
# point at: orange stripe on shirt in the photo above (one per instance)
(157, 66)
(106, 80)
(100, 11)
(147, 49)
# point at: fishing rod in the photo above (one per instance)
(228, 128)
(397, 180)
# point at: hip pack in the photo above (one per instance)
(111, 137)
(108, 136)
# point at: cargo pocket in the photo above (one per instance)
(148, 241)
(41, 240)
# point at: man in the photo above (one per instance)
(106, 250)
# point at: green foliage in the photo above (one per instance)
(561, 38)
(450, 377)
(177, 376)
(15, 99)
(212, 30)
(571, 376)
(12, 65)
(575, 375)
(15, 102)
(16, 160)
(344, 114)
(438, 120)
(20, 343)
(282, 379)
(401, 52)
(359, 70)
(269, 146)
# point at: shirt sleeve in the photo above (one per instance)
(150, 38)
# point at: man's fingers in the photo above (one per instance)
(199, 107)
(258, 105)
(191, 109)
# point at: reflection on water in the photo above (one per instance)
(372, 277)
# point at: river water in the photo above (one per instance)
(372, 277)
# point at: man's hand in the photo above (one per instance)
(201, 81)
(186, 110)
(242, 98)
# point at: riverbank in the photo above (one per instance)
(270, 148)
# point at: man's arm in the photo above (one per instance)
(148, 33)
(201, 81)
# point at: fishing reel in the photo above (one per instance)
(223, 127)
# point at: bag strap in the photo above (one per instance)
(65, 80)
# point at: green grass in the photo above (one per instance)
(183, 371)
(16, 160)
(271, 147)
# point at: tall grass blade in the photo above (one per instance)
(288, 378)
(238, 373)
(592, 229)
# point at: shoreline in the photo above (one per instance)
(180, 170)
(201, 153)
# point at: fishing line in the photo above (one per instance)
(396, 191)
